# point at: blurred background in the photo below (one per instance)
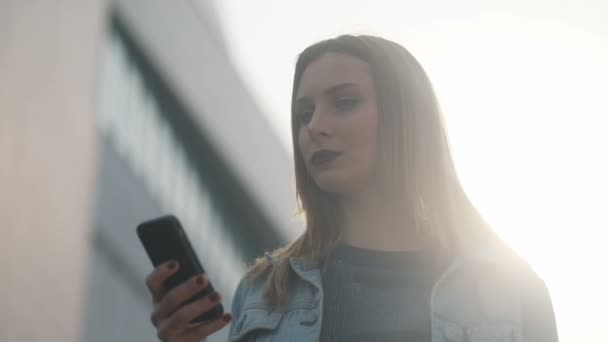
(114, 112)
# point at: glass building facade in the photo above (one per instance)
(155, 159)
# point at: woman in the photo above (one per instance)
(393, 249)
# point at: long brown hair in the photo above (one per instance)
(414, 158)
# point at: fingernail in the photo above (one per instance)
(200, 280)
(227, 318)
(214, 297)
(172, 265)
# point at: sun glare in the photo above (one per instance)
(527, 121)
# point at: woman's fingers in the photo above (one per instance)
(169, 317)
(203, 330)
(180, 320)
(177, 296)
(156, 279)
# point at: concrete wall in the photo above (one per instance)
(48, 66)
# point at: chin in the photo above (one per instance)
(333, 183)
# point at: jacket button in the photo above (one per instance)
(312, 321)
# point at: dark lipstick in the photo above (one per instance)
(323, 156)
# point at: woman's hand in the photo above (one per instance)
(171, 319)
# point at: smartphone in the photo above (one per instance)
(164, 239)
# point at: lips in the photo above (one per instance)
(323, 156)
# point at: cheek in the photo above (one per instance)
(364, 135)
(303, 142)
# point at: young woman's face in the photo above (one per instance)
(337, 115)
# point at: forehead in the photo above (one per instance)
(331, 69)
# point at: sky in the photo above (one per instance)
(523, 87)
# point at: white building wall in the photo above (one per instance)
(48, 67)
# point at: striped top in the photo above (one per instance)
(379, 296)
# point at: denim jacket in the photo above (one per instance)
(479, 298)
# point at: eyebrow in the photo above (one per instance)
(332, 89)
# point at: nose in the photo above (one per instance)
(319, 125)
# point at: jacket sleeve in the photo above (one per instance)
(538, 317)
(237, 303)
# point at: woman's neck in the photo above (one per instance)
(370, 221)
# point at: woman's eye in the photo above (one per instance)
(305, 117)
(346, 103)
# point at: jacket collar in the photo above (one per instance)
(308, 271)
